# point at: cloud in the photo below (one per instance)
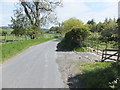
(99, 11)
(90, 0)
(12, 1)
(71, 9)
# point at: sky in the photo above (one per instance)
(81, 9)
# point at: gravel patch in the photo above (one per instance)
(67, 62)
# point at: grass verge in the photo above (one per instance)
(100, 75)
(11, 49)
(80, 49)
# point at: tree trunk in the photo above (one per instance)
(5, 37)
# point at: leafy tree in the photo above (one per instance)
(40, 12)
(92, 25)
(106, 20)
(92, 22)
(69, 24)
(100, 27)
(74, 38)
(33, 15)
(109, 30)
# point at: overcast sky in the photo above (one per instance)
(81, 9)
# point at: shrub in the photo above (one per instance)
(74, 38)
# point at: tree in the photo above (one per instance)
(92, 25)
(69, 24)
(19, 23)
(109, 30)
(92, 22)
(99, 27)
(37, 13)
(74, 38)
(106, 20)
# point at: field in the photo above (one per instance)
(11, 37)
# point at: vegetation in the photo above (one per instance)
(74, 38)
(11, 49)
(100, 75)
(70, 23)
(102, 33)
(55, 30)
(30, 16)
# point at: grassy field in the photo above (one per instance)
(10, 36)
(100, 75)
(11, 49)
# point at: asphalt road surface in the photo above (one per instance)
(34, 68)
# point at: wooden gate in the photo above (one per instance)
(110, 54)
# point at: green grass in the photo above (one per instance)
(100, 74)
(82, 49)
(11, 49)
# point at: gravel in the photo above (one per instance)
(67, 62)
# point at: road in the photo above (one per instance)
(34, 68)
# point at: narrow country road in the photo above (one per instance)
(34, 68)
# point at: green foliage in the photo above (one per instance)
(22, 26)
(101, 75)
(11, 49)
(4, 33)
(92, 25)
(92, 22)
(19, 23)
(109, 31)
(74, 38)
(69, 24)
(80, 49)
(94, 36)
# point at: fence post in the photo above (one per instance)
(18, 37)
(119, 39)
(97, 46)
(13, 37)
(5, 37)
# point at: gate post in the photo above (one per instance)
(118, 31)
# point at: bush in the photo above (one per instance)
(74, 38)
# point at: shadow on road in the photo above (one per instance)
(75, 82)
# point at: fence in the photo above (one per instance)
(12, 38)
(101, 48)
